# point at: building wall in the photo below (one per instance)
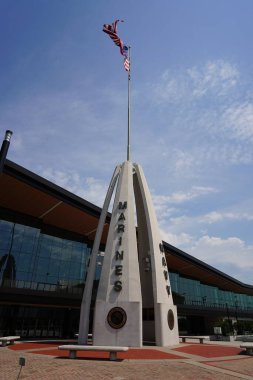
(42, 275)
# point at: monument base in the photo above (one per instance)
(118, 326)
(166, 325)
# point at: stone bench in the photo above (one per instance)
(249, 348)
(200, 338)
(73, 348)
(8, 339)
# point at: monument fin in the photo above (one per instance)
(86, 300)
(155, 281)
(118, 309)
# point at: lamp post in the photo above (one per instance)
(236, 307)
(227, 311)
(4, 149)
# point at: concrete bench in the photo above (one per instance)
(249, 348)
(8, 339)
(200, 338)
(72, 348)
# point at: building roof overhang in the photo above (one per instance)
(28, 194)
(189, 266)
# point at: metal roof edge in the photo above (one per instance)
(194, 260)
(40, 183)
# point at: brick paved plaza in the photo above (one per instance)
(186, 361)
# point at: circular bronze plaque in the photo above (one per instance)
(117, 317)
(171, 320)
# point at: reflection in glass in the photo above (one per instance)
(193, 292)
(34, 259)
(7, 262)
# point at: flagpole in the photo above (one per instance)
(128, 107)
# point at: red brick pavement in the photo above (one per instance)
(136, 354)
(30, 346)
(209, 351)
(195, 363)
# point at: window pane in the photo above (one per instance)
(54, 267)
(64, 270)
(24, 262)
(42, 266)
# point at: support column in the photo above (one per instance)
(86, 300)
(118, 310)
(156, 290)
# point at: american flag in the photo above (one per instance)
(127, 64)
(125, 51)
(111, 30)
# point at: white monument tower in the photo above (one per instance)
(134, 281)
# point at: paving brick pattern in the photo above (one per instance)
(45, 367)
(243, 366)
(209, 351)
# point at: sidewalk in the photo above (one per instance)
(191, 361)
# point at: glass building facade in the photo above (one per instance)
(193, 292)
(47, 263)
(32, 259)
(45, 266)
(35, 260)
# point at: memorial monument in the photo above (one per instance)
(134, 279)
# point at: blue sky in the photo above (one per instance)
(64, 95)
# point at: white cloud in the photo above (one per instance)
(178, 240)
(183, 160)
(170, 89)
(66, 130)
(218, 76)
(222, 253)
(214, 77)
(222, 154)
(176, 223)
(207, 116)
(95, 191)
(181, 197)
(91, 189)
(238, 121)
(216, 216)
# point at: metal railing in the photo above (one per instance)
(216, 305)
(44, 287)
